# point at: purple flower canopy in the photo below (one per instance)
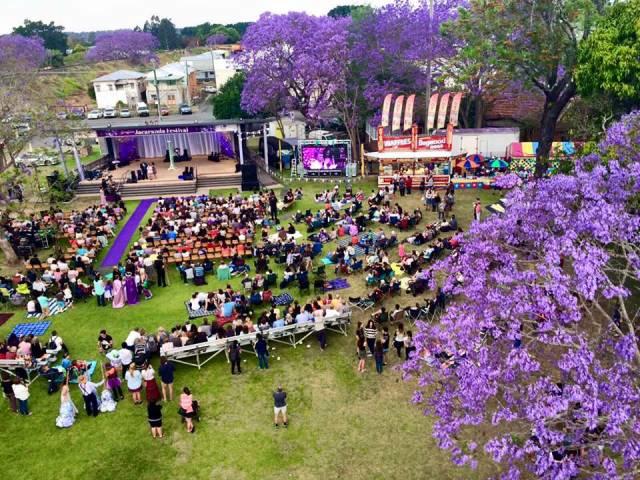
(540, 336)
(18, 52)
(129, 45)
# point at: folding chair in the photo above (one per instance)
(362, 304)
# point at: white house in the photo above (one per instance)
(176, 84)
(125, 86)
(224, 69)
(203, 63)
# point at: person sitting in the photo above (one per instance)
(185, 156)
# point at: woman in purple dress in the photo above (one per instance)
(119, 296)
(130, 289)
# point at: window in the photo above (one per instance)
(171, 98)
(110, 87)
(97, 87)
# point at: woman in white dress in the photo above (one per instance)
(68, 410)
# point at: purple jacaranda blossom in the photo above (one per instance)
(130, 45)
(541, 336)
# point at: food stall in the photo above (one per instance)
(523, 154)
(415, 156)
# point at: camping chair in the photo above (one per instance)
(318, 284)
(319, 271)
(270, 280)
(362, 304)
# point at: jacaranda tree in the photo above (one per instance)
(293, 62)
(130, 45)
(539, 347)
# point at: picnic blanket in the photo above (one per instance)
(397, 269)
(54, 309)
(326, 261)
(201, 312)
(281, 300)
(336, 284)
(37, 329)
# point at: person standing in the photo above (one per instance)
(477, 210)
(166, 371)
(161, 274)
(273, 206)
(113, 382)
(409, 184)
(320, 331)
(370, 333)
(154, 416)
(133, 378)
(186, 409)
(361, 350)
(126, 358)
(234, 357)
(21, 393)
(280, 407)
(151, 389)
(378, 355)
(262, 350)
(89, 392)
(7, 389)
(68, 410)
(398, 339)
(98, 290)
(409, 347)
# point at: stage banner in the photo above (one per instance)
(149, 131)
(386, 109)
(455, 109)
(442, 111)
(431, 116)
(397, 113)
(408, 113)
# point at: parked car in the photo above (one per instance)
(61, 115)
(125, 113)
(109, 113)
(143, 109)
(38, 159)
(210, 89)
(94, 115)
(185, 109)
(76, 113)
(164, 111)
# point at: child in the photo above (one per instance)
(107, 404)
(108, 291)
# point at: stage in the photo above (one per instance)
(207, 175)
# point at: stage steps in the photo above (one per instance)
(219, 181)
(143, 189)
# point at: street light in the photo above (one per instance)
(155, 81)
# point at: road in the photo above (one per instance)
(202, 113)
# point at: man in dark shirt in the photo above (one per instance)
(280, 406)
(158, 264)
(105, 341)
(273, 206)
(262, 350)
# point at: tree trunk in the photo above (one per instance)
(479, 104)
(7, 250)
(555, 102)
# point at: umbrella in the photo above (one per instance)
(498, 163)
(467, 163)
(476, 157)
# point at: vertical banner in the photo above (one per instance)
(380, 138)
(408, 113)
(431, 115)
(397, 113)
(455, 109)
(386, 109)
(442, 111)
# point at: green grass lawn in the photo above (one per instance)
(343, 424)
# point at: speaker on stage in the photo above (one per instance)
(250, 178)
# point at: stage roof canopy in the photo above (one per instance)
(418, 155)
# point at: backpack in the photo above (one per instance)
(52, 345)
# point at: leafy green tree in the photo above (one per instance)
(230, 33)
(226, 104)
(343, 10)
(52, 35)
(609, 60)
(164, 30)
(536, 42)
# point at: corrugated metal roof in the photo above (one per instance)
(120, 75)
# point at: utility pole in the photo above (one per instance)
(155, 81)
(186, 79)
(61, 153)
(429, 59)
(266, 147)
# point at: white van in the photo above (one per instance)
(142, 109)
(321, 135)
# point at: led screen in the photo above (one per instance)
(331, 157)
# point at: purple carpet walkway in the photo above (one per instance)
(121, 242)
